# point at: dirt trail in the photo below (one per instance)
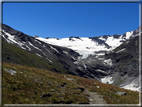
(94, 98)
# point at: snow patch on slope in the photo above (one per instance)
(107, 80)
(111, 41)
(133, 85)
(38, 55)
(102, 38)
(10, 39)
(34, 46)
(54, 49)
(129, 34)
(108, 62)
(120, 50)
(84, 66)
(49, 60)
(28, 48)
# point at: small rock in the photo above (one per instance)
(90, 99)
(35, 93)
(45, 95)
(49, 85)
(121, 93)
(12, 72)
(98, 86)
(52, 90)
(70, 79)
(80, 89)
(14, 89)
(62, 85)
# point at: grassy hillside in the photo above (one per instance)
(16, 55)
(29, 85)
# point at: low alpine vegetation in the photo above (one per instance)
(28, 85)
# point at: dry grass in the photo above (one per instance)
(29, 85)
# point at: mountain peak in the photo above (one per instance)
(52, 38)
(72, 38)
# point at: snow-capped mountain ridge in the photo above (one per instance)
(86, 46)
(83, 46)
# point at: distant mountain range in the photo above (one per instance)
(86, 46)
(112, 59)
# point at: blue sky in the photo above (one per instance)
(62, 20)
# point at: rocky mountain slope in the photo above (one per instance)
(60, 58)
(63, 59)
(103, 58)
(125, 68)
(114, 59)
